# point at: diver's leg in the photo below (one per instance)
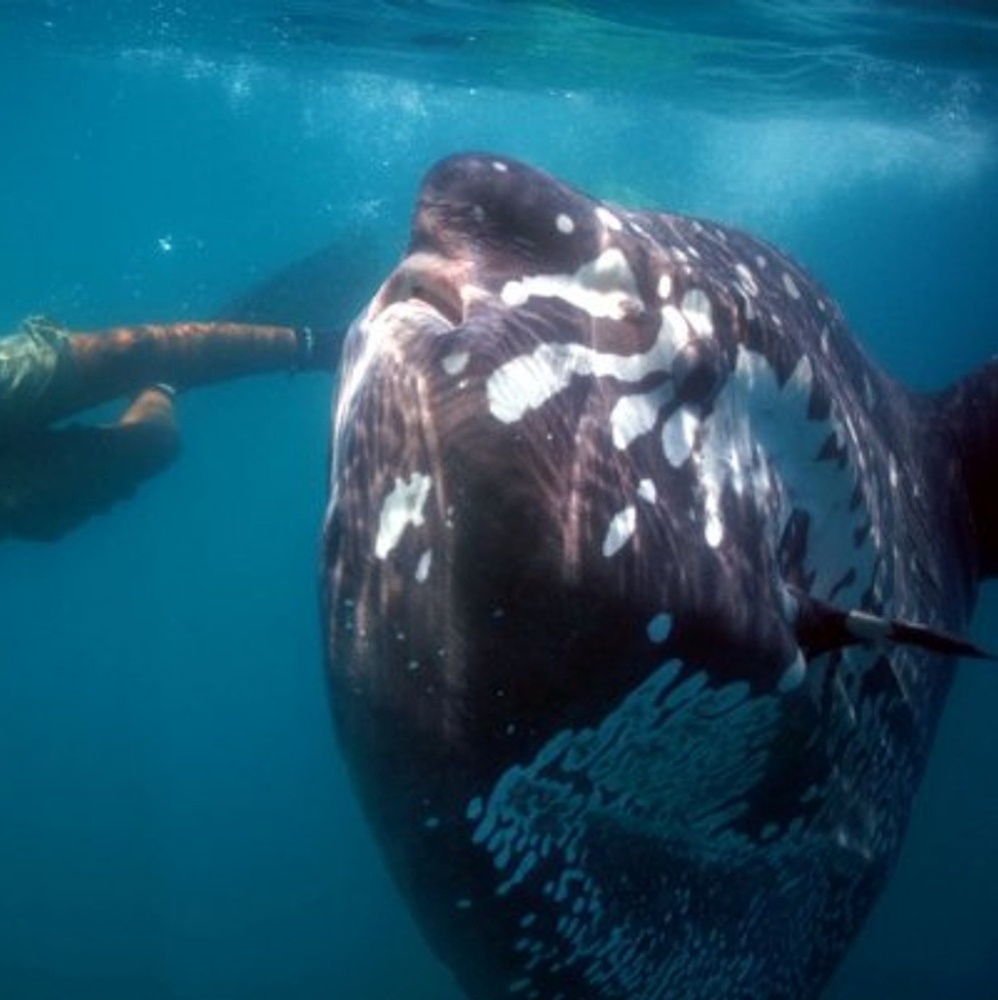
(51, 481)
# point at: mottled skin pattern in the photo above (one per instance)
(571, 503)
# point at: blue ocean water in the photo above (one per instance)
(175, 821)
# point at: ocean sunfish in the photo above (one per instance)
(642, 589)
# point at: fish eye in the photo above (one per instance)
(698, 371)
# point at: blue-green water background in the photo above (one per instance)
(175, 821)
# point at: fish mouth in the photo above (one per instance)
(424, 284)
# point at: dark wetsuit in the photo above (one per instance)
(53, 477)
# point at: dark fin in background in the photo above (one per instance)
(969, 414)
(821, 627)
(324, 290)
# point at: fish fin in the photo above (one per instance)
(969, 411)
(821, 627)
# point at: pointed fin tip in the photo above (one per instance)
(822, 627)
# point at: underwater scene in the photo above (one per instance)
(178, 817)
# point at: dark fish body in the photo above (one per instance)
(590, 469)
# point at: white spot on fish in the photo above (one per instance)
(791, 286)
(660, 627)
(455, 363)
(747, 279)
(565, 223)
(799, 383)
(665, 287)
(620, 530)
(696, 310)
(402, 507)
(679, 436)
(713, 531)
(499, 166)
(608, 219)
(636, 414)
(423, 566)
(647, 491)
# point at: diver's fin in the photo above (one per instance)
(822, 627)
(969, 416)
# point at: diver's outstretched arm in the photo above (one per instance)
(100, 366)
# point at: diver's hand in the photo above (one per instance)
(317, 349)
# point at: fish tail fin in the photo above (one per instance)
(970, 413)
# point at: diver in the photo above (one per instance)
(54, 476)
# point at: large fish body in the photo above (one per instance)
(598, 476)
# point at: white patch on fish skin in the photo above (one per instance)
(696, 309)
(635, 414)
(530, 380)
(423, 566)
(455, 363)
(746, 279)
(791, 286)
(604, 288)
(500, 167)
(679, 435)
(798, 386)
(665, 287)
(564, 223)
(402, 507)
(760, 441)
(713, 531)
(674, 330)
(659, 628)
(550, 815)
(620, 531)
(647, 491)
(608, 219)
